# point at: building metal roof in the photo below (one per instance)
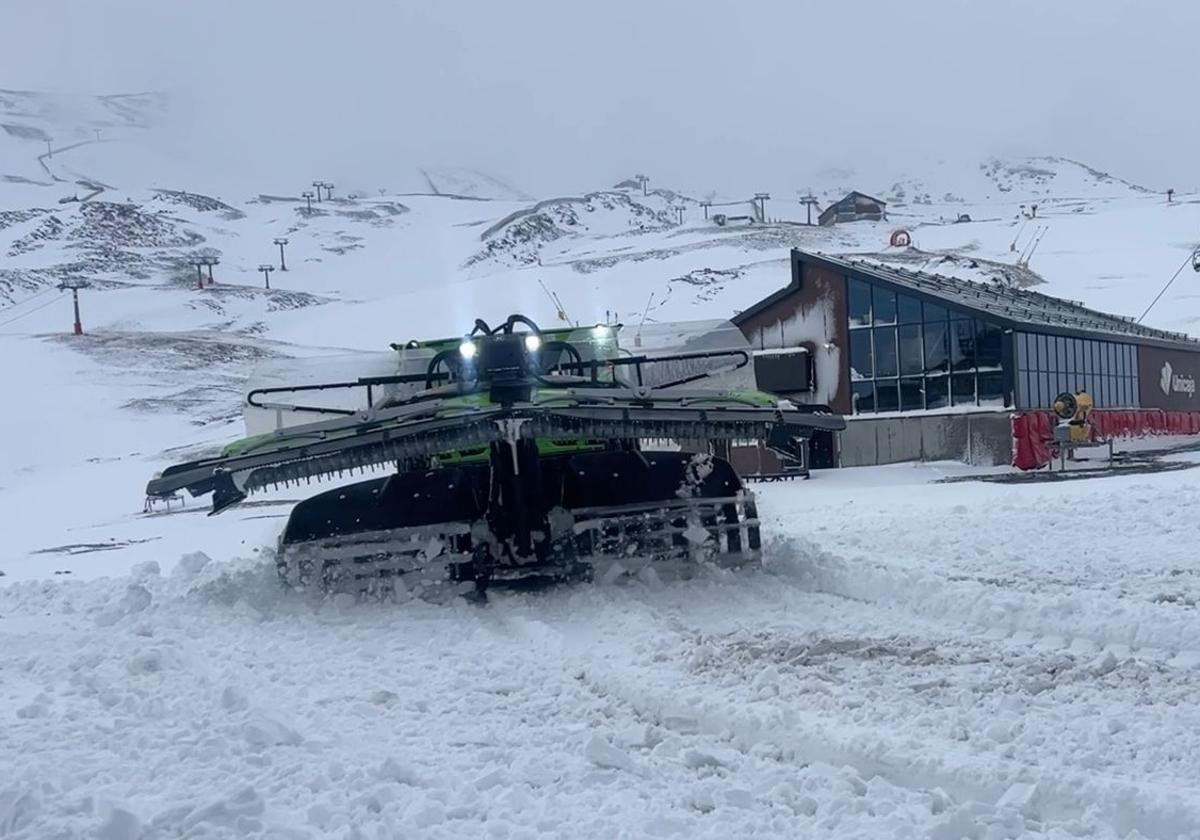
(1018, 308)
(854, 193)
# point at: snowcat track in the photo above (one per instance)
(674, 537)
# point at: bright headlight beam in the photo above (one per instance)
(532, 343)
(467, 350)
(599, 331)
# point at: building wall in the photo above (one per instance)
(981, 439)
(812, 317)
(1048, 365)
(1168, 379)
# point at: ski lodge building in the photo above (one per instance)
(929, 367)
(854, 207)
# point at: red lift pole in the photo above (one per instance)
(75, 286)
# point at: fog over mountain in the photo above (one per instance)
(562, 96)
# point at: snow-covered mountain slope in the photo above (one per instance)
(471, 183)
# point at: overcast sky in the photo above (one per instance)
(561, 95)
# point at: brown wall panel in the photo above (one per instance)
(1168, 379)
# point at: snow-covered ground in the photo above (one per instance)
(917, 658)
(894, 670)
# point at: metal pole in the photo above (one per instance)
(75, 286)
(307, 196)
(318, 185)
(200, 276)
(281, 241)
(266, 273)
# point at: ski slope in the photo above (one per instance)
(893, 670)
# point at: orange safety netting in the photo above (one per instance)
(1033, 431)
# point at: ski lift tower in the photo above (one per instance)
(809, 202)
(281, 241)
(760, 206)
(75, 286)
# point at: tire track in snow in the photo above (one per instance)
(1072, 623)
(1062, 795)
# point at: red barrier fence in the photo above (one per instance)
(1033, 431)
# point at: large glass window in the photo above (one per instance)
(885, 352)
(862, 365)
(912, 356)
(989, 341)
(887, 395)
(858, 303)
(863, 395)
(909, 354)
(962, 344)
(912, 394)
(962, 389)
(908, 309)
(991, 388)
(937, 347)
(884, 303)
(937, 391)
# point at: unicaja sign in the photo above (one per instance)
(1176, 383)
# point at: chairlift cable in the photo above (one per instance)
(16, 318)
(1182, 266)
(34, 296)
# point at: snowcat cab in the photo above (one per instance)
(519, 454)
